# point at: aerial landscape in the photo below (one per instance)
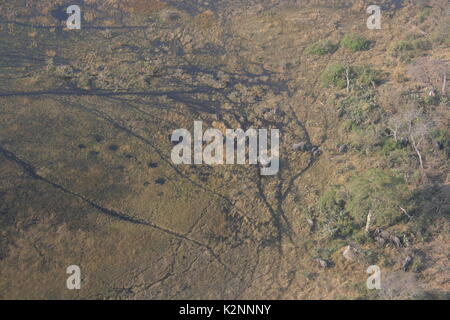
(105, 161)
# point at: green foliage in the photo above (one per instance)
(365, 139)
(330, 201)
(444, 101)
(398, 157)
(325, 253)
(334, 76)
(410, 45)
(367, 77)
(350, 125)
(390, 145)
(338, 222)
(51, 65)
(430, 100)
(423, 14)
(441, 33)
(355, 43)
(419, 261)
(85, 81)
(360, 76)
(408, 49)
(371, 256)
(322, 48)
(432, 295)
(378, 191)
(360, 109)
(363, 293)
(360, 236)
(386, 261)
(442, 137)
(425, 209)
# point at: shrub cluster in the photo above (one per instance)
(322, 48)
(355, 43)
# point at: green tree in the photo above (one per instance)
(378, 193)
(322, 48)
(355, 43)
(334, 76)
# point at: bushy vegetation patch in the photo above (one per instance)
(355, 43)
(322, 48)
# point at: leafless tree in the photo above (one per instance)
(347, 77)
(412, 125)
(429, 72)
(444, 83)
(394, 124)
(418, 133)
